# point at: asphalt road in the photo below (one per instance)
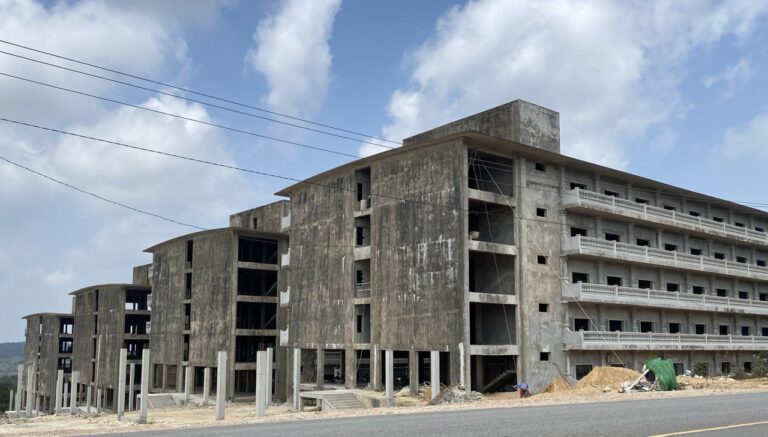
(742, 414)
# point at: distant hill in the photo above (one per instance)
(11, 355)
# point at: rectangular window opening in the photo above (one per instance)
(643, 242)
(674, 328)
(695, 251)
(644, 284)
(544, 356)
(541, 212)
(641, 200)
(698, 289)
(614, 280)
(583, 325)
(541, 259)
(543, 307)
(577, 277)
(578, 231)
(539, 166)
(615, 325)
(575, 185)
(671, 286)
(612, 193)
(612, 237)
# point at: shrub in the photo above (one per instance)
(701, 369)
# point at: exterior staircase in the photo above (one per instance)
(341, 401)
(499, 381)
(161, 401)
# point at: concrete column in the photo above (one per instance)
(350, 368)
(10, 401)
(389, 376)
(206, 384)
(59, 389)
(261, 383)
(660, 239)
(30, 389)
(73, 396)
(221, 384)
(131, 377)
(144, 386)
(99, 400)
(165, 377)
(296, 376)
(320, 378)
(413, 372)
(375, 367)
(187, 384)
(434, 372)
(121, 383)
(37, 405)
(88, 395)
(631, 233)
(19, 388)
(270, 358)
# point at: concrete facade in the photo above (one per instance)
(476, 245)
(217, 291)
(48, 349)
(108, 318)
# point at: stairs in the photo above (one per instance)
(161, 401)
(341, 401)
(499, 380)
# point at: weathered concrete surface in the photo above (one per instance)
(268, 217)
(518, 121)
(43, 332)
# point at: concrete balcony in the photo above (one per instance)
(582, 199)
(652, 341)
(609, 294)
(362, 290)
(660, 258)
(285, 297)
(484, 246)
(362, 253)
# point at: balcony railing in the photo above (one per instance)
(363, 289)
(652, 255)
(599, 340)
(599, 293)
(615, 205)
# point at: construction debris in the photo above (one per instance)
(455, 394)
(606, 377)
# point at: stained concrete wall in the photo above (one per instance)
(268, 217)
(517, 121)
(84, 307)
(141, 275)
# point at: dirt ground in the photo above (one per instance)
(601, 387)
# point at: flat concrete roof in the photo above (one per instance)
(48, 314)
(92, 287)
(506, 146)
(239, 231)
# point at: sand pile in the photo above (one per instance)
(557, 385)
(610, 377)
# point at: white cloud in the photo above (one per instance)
(731, 78)
(59, 277)
(292, 52)
(745, 143)
(612, 69)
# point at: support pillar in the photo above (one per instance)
(30, 390)
(270, 358)
(165, 377)
(350, 368)
(261, 383)
(132, 377)
(59, 389)
(19, 388)
(65, 395)
(296, 376)
(99, 398)
(74, 392)
(144, 386)
(37, 405)
(88, 400)
(389, 377)
(320, 378)
(187, 384)
(434, 372)
(221, 384)
(10, 401)
(121, 383)
(375, 368)
(206, 384)
(413, 372)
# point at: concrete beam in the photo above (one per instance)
(262, 366)
(206, 384)
(434, 372)
(123, 362)
(221, 384)
(144, 386)
(131, 378)
(59, 391)
(296, 377)
(74, 392)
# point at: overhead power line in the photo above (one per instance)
(102, 198)
(182, 117)
(187, 90)
(180, 97)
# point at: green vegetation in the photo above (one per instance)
(11, 355)
(7, 384)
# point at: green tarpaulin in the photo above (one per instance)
(665, 373)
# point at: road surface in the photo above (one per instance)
(710, 416)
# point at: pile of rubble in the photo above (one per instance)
(454, 394)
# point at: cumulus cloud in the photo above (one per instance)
(731, 78)
(58, 277)
(291, 51)
(746, 142)
(612, 69)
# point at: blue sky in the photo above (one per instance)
(672, 90)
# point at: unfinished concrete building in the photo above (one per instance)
(480, 240)
(108, 318)
(48, 349)
(218, 290)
